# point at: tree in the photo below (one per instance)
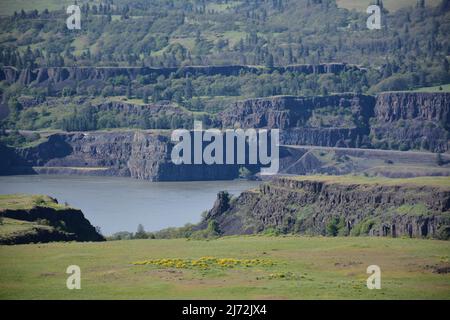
(145, 97)
(213, 228)
(129, 92)
(140, 233)
(332, 227)
(269, 62)
(188, 91)
(439, 160)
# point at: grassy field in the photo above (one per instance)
(445, 88)
(7, 7)
(351, 179)
(25, 202)
(391, 5)
(289, 268)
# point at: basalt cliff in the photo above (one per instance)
(62, 76)
(337, 134)
(397, 120)
(137, 154)
(43, 221)
(336, 206)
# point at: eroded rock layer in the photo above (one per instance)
(328, 207)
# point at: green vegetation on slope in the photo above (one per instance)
(40, 219)
(26, 202)
(443, 88)
(391, 5)
(356, 179)
(300, 268)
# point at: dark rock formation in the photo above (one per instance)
(413, 120)
(137, 154)
(395, 106)
(310, 207)
(284, 112)
(292, 115)
(67, 75)
(394, 120)
(63, 225)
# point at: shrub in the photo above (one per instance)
(244, 173)
(213, 229)
(272, 232)
(123, 235)
(443, 233)
(439, 160)
(332, 227)
(43, 222)
(363, 227)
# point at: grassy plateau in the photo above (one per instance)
(253, 267)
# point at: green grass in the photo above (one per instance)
(7, 7)
(9, 226)
(303, 268)
(25, 202)
(12, 228)
(350, 179)
(412, 210)
(391, 5)
(445, 88)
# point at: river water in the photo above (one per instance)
(120, 204)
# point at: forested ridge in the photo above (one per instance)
(413, 42)
(411, 51)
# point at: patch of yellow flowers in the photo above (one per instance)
(205, 263)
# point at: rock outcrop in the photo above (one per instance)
(62, 224)
(329, 206)
(67, 75)
(284, 112)
(393, 120)
(395, 106)
(390, 121)
(413, 120)
(137, 154)
(297, 117)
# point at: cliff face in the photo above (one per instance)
(397, 120)
(413, 120)
(390, 121)
(61, 225)
(137, 154)
(301, 119)
(58, 75)
(395, 106)
(286, 112)
(333, 208)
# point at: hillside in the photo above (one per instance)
(337, 205)
(391, 5)
(137, 33)
(40, 219)
(158, 65)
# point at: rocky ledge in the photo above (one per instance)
(33, 219)
(346, 205)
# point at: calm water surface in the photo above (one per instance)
(120, 204)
